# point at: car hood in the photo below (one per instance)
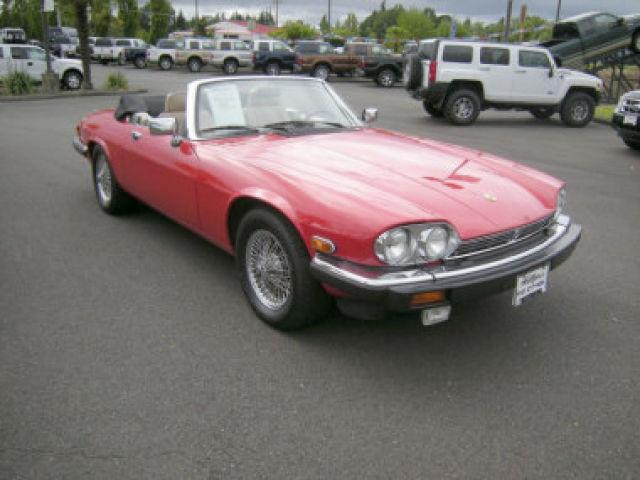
(373, 179)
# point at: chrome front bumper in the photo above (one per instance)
(394, 288)
(80, 147)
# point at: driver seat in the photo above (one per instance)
(174, 106)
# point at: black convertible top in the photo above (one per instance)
(129, 104)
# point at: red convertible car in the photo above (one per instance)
(316, 205)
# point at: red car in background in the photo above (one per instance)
(317, 205)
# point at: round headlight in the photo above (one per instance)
(394, 246)
(433, 243)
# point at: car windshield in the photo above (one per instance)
(290, 106)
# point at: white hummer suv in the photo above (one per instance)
(457, 79)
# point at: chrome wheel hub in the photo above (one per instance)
(321, 73)
(579, 111)
(268, 269)
(73, 81)
(463, 108)
(103, 180)
(386, 79)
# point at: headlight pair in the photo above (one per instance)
(416, 243)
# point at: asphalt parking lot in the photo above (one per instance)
(127, 349)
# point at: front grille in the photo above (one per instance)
(479, 245)
(631, 106)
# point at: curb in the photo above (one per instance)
(56, 96)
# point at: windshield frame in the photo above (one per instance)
(192, 104)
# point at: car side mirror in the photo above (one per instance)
(369, 115)
(163, 126)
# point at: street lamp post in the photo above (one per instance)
(50, 80)
(558, 11)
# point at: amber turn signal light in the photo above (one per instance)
(427, 297)
(322, 245)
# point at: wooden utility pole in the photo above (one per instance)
(523, 19)
(197, 10)
(276, 13)
(329, 15)
(507, 21)
(558, 11)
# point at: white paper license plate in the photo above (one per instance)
(629, 120)
(530, 283)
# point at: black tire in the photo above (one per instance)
(140, 61)
(542, 113)
(72, 80)
(432, 110)
(118, 201)
(635, 42)
(194, 64)
(165, 63)
(321, 71)
(412, 75)
(386, 78)
(272, 68)
(231, 67)
(577, 109)
(462, 107)
(306, 301)
(632, 144)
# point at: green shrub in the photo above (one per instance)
(116, 81)
(17, 83)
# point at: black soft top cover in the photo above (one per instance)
(130, 104)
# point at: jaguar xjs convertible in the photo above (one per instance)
(321, 209)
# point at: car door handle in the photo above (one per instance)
(521, 71)
(136, 135)
(30, 64)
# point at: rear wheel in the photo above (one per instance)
(462, 107)
(140, 61)
(321, 71)
(230, 67)
(542, 113)
(275, 273)
(412, 76)
(111, 197)
(633, 144)
(577, 109)
(194, 64)
(432, 110)
(165, 63)
(272, 68)
(386, 78)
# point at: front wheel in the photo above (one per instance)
(542, 113)
(577, 109)
(386, 78)
(272, 68)
(321, 71)
(275, 273)
(165, 63)
(111, 197)
(72, 80)
(230, 67)
(462, 107)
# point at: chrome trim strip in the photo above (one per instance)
(80, 147)
(418, 276)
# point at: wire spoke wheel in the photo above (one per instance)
(268, 269)
(103, 180)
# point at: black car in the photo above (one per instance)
(626, 119)
(273, 56)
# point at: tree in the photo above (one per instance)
(129, 17)
(396, 37)
(199, 26)
(265, 18)
(324, 25)
(350, 24)
(416, 24)
(100, 18)
(378, 21)
(295, 30)
(160, 19)
(181, 21)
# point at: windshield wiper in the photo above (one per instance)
(232, 127)
(291, 124)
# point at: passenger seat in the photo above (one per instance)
(174, 106)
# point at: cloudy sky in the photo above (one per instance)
(483, 10)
